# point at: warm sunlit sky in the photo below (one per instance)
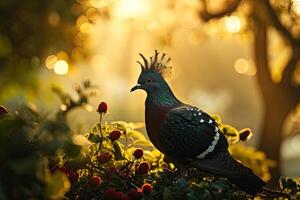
(212, 62)
(208, 60)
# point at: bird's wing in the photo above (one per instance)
(224, 164)
(188, 132)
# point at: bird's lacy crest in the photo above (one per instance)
(157, 64)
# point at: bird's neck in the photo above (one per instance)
(162, 98)
(158, 104)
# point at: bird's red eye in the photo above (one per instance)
(149, 80)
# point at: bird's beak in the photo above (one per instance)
(137, 86)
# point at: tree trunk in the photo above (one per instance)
(279, 99)
(271, 138)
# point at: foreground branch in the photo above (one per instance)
(293, 42)
(230, 8)
(277, 23)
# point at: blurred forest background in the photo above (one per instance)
(236, 58)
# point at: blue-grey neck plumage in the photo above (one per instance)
(162, 96)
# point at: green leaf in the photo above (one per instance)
(95, 138)
(96, 128)
(230, 130)
(192, 195)
(51, 147)
(182, 184)
(118, 151)
(71, 150)
(57, 185)
(55, 126)
(205, 195)
(288, 183)
(149, 156)
(137, 125)
(167, 194)
(23, 166)
(136, 135)
(121, 125)
(143, 143)
(219, 185)
(29, 113)
(2, 196)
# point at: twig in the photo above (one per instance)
(274, 193)
(230, 8)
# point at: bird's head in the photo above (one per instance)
(153, 71)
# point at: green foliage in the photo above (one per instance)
(194, 186)
(41, 159)
(32, 30)
(290, 186)
(27, 141)
(31, 146)
(27, 37)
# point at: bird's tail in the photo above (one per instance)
(224, 164)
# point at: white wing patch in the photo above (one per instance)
(211, 147)
(216, 137)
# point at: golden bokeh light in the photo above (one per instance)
(62, 55)
(99, 62)
(63, 107)
(153, 25)
(244, 66)
(132, 8)
(50, 61)
(100, 3)
(54, 19)
(81, 19)
(252, 70)
(296, 6)
(92, 14)
(241, 66)
(86, 28)
(167, 17)
(233, 24)
(61, 67)
(89, 108)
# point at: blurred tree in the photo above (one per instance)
(31, 31)
(279, 98)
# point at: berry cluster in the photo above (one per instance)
(111, 171)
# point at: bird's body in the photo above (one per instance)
(188, 134)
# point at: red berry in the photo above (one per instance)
(138, 153)
(104, 157)
(147, 188)
(125, 197)
(3, 110)
(109, 193)
(119, 195)
(63, 170)
(245, 134)
(113, 194)
(134, 194)
(114, 135)
(94, 181)
(102, 108)
(73, 176)
(143, 168)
